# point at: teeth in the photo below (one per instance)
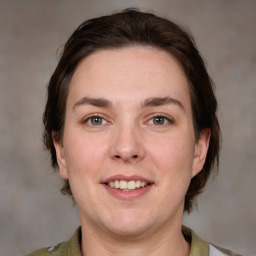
(123, 184)
(138, 184)
(117, 184)
(130, 185)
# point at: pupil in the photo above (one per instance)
(97, 120)
(158, 120)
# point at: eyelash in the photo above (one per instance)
(167, 120)
(90, 118)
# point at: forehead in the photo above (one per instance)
(137, 71)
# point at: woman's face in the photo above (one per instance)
(128, 147)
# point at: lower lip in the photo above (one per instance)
(128, 195)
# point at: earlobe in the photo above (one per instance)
(201, 149)
(59, 149)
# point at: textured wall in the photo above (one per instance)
(32, 211)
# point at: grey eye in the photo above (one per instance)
(96, 120)
(159, 120)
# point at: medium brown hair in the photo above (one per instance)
(127, 28)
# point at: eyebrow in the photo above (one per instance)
(156, 101)
(97, 102)
(150, 102)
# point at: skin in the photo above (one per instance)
(127, 139)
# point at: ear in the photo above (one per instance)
(200, 153)
(59, 148)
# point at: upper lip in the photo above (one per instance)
(127, 178)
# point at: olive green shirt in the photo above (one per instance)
(72, 247)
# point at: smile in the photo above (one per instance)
(127, 185)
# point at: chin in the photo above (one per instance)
(129, 225)
(129, 231)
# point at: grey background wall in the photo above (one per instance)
(33, 214)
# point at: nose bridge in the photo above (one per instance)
(127, 144)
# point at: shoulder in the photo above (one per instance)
(50, 251)
(200, 247)
(218, 251)
(70, 247)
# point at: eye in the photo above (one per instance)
(95, 120)
(160, 120)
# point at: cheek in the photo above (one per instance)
(172, 152)
(84, 154)
(173, 160)
(84, 160)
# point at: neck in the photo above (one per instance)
(164, 241)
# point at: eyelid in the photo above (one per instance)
(167, 117)
(88, 117)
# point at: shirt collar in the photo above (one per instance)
(198, 246)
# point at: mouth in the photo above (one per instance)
(127, 188)
(127, 185)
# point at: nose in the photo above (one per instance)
(127, 144)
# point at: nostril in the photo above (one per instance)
(131, 157)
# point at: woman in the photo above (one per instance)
(131, 125)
